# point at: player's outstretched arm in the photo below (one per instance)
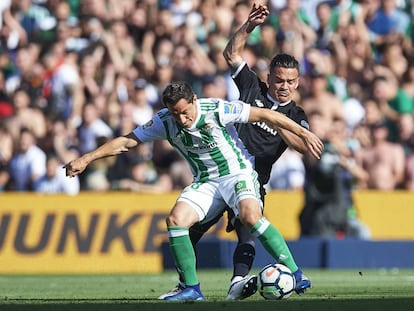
(113, 147)
(311, 141)
(292, 140)
(235, 46)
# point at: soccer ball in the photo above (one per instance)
(276, 281)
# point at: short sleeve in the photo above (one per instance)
(151, 131)
(234, 112)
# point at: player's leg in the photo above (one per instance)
(244, 253)
(234, 189)
(242, 285)
(250, 211)
(188, 211)
(196, 231)
(180, 219)
(272, 241)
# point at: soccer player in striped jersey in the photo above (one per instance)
(263, 142)
(202, 131)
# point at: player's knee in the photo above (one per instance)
(181, 218)
(170, 221)
(175, 221)
(249, 212)
(250, 219)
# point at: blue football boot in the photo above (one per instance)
(302, 282)
(177, 289)
(188, 293)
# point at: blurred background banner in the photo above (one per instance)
(88, 233)
(121, 232)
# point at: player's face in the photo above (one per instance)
(184, 112)
(283, 83)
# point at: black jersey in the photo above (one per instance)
(261, 141)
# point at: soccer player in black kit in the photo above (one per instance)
(264, 143)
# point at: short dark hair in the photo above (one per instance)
(176, 91)
(284, 61)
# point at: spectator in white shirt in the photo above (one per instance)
(54, 180)
(91, 128)
(28, 164)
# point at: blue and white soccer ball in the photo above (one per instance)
(276, 281)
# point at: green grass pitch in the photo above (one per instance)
(333, 290)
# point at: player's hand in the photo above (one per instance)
(258, 14)
(313, 143)
(75, 167)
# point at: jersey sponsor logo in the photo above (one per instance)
(202, 146)
(241, 187)
(230, 108)
(265, 127)
(194, 185)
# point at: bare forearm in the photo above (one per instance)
(233, 51)
(279, 120)
(234, 48)
(113, 147)
(282, 122)
(276, 119)
(292, 140)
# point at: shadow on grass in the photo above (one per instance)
(151, 305)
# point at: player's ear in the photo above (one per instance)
(297, 83)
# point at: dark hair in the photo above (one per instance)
(379, 78)
(176, 91)
(284, 61)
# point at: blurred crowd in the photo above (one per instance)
(75, 73)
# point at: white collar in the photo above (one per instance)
(276, 104)
(197, 118)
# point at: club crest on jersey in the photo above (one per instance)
(259, 103)
(207, 129)
(230, 108)
(207, 134)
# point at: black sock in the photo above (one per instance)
(244, 253)
(243, 259)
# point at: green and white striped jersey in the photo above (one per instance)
(211, 146)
